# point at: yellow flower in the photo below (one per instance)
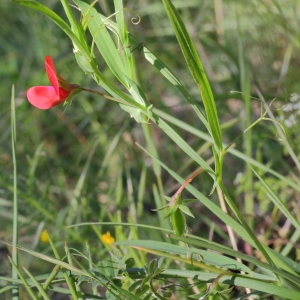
(44, 236)
(107, 238)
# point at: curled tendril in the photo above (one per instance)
(132, 19)
(109, 26)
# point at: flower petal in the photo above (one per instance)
(44, 97)
(51, 73)
(64, 94)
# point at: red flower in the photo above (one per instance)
(45, 97)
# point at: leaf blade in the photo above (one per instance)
(195, 66)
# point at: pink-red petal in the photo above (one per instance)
(64, 94)
(51, 73)
(43, 97)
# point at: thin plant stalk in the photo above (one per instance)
(15, 291)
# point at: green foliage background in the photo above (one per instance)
(82, 165)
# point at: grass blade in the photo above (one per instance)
(195, 65)
(103, 41)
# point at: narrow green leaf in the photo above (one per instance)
(185, 201)
(186, 210)
(170, 210)
(103, 40)
(178, 222)
(195, 65)
(160, 208)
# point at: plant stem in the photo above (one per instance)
(15, 291)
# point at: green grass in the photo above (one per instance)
(90, 168)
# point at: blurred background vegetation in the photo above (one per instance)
(82, 165)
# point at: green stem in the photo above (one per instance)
(15, 291)
(106, 96)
